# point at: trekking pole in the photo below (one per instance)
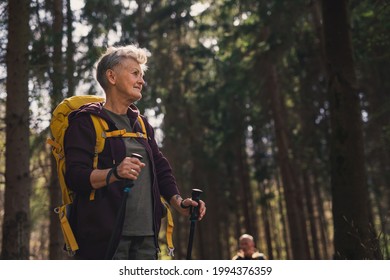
(119, 217)
(193, 218)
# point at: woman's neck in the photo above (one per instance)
(119, 109)
(117, 105)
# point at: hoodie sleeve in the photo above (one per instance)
(79, 145)
(165, 178)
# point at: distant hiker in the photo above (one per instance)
(247, 249)
(98, 191)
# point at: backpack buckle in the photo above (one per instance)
(171, 252)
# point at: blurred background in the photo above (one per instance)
(278, 110)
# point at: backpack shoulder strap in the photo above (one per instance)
(100, 126)
(101, 129)
(169, 229)
(123, 132)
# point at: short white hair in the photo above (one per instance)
(114, 55)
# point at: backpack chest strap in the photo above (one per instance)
(120, 132)
(123, 133)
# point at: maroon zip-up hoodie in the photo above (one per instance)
(93, 221)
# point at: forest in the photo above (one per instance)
(277, 110)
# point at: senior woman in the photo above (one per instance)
(120, 72)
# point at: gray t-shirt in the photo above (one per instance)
(139, 206)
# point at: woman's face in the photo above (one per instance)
(129, 79)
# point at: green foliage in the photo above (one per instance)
(207, 78)
(370, 26)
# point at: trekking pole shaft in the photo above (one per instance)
(121, 212)
(193, 218)
(190, 240)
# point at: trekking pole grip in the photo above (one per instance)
(195, 196)
(129, 182)
(135, 155)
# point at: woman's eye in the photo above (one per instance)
(137, 74)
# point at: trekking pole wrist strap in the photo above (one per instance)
(115, 172)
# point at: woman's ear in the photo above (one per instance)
(111, 78)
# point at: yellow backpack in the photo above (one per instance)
(58, 125)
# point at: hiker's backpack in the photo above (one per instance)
(58, 125)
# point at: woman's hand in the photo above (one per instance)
(129, 168)
(184, 205)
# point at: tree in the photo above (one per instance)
(70, 50)
(56, 77)
(352, 236)
(241, 91)
(292, 189)
(16, 225)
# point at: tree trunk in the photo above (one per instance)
(323, 222)
(56, 239)
(266, 217)
(283, 221)
(242, 173)
(311, 215)
(292, 189)
(352, 236)
(16, 225)
(140, 18)
(70, 51)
